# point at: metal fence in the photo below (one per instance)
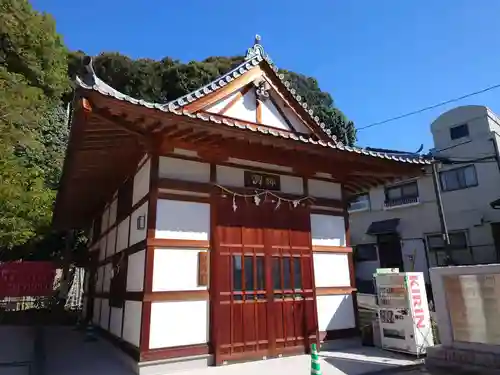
(471, 255)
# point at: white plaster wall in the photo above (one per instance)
(97, 311)
(105, 314)
(327, 230)
(292, 185)
(245, 108)
(229, 176)
(182, 151)
(176, 269)
(100, 279)
(105, 220)
(135, 271)
(102, 248)
(185, 170)
(182, 220)
(112, 212)
(219, 105)
(331, 270)
(324, 189)
(141, 182)
(137, 235)
(132, 322)
(271, 116)
(296, 122)
(177, 323)
(107, 277)
(111, 242)
(115, 322)
(335, 312)
(122, 237)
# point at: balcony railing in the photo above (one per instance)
(389, 203)
(359, 206)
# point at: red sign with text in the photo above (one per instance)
(26, 279)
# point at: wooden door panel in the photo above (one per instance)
(264, 296)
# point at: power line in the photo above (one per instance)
(429, 107)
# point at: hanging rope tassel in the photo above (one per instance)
(315, 366)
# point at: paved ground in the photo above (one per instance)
(68, 354)
(16, 349)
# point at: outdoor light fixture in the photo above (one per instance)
(141, 222)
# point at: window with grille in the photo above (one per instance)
(458, 178)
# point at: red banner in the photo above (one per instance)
(26, 279)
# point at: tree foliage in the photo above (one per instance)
(36, 71)
(33, 77)
(168, 79)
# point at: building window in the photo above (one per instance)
(458, 178)
(460, 131)
(401, 194)
(359, 202)
(365, 252)
(287, 274)
(459, 249)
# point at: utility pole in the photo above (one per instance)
(442, 219)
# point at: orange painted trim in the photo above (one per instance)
(235, 100)
(223, 92)
(258, 111)
(167, 242)
(334, 290)
(332, 249)
(184, 295)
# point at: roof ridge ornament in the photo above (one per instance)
(89, 76)
(256, 50)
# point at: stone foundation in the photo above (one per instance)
(449, 357)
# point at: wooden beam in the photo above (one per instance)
(223, 92)
(258, 111)
(120, 121)
(235, 100)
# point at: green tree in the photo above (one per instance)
(168, 79)
(33, 78)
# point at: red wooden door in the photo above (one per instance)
(263, 303)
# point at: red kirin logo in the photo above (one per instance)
(416, 300)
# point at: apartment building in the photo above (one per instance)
(398, 225)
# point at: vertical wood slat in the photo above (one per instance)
(263, 227)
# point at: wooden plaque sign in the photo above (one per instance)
(262, 181)
(203, 268)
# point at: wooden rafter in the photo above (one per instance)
(231, 87)
(239, 95)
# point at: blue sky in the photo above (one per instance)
(378, 59)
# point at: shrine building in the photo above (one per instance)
(218, 222)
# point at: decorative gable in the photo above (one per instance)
(258, 103)
(255, 92)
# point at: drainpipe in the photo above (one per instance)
(442, 219)
(495, 147)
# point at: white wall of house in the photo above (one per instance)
(466, 210)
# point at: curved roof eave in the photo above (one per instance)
(90, 81)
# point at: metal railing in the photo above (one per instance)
(465, 256)
(400, 202)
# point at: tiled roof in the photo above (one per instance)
(255, 55)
